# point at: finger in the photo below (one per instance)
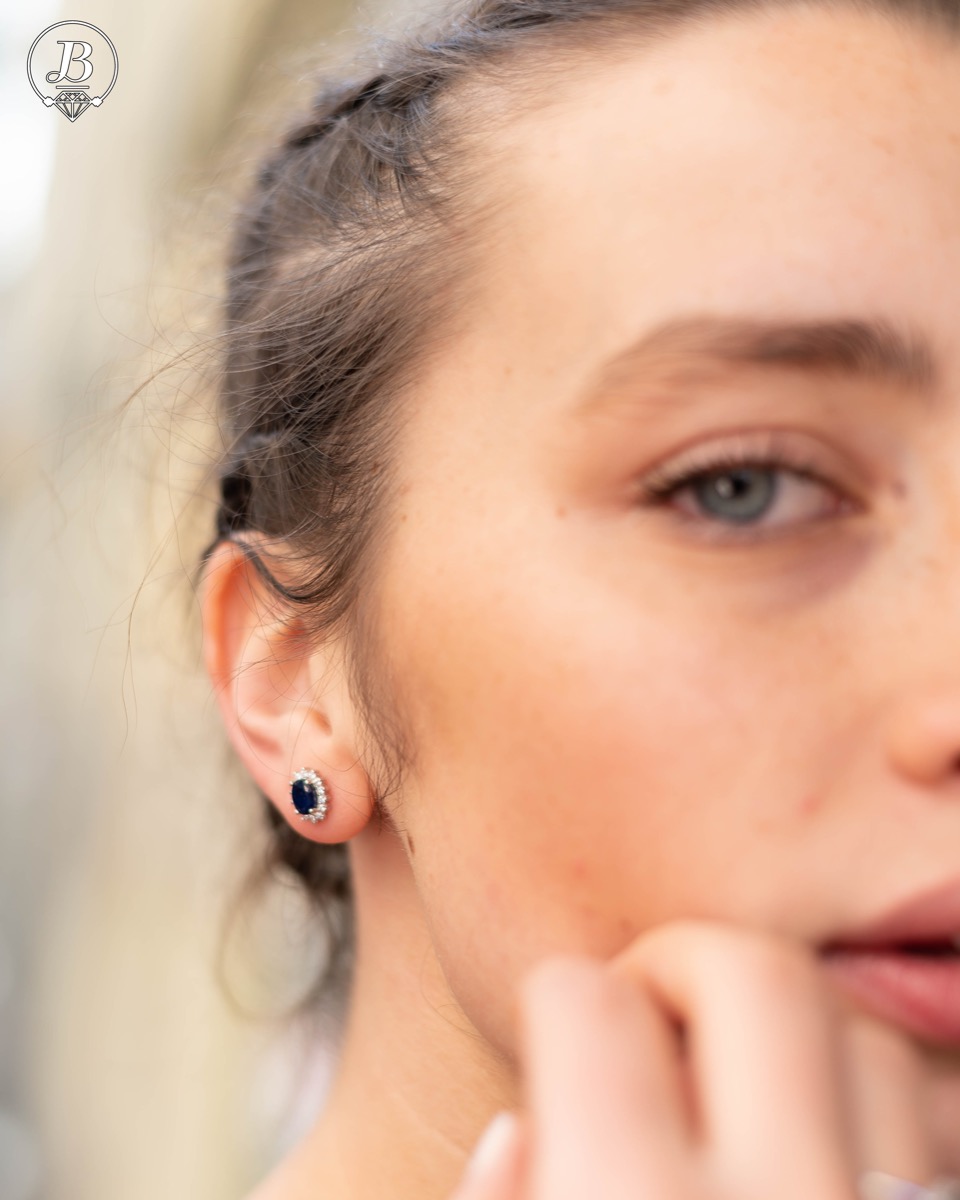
(766, 1053)
(601, 1071)
(942, 1098)
(886, 1101)
(494, 1171)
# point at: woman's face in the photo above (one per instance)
(742, 702)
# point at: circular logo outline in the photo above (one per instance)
(98, 100)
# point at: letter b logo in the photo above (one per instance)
(70, 55)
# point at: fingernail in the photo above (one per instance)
(495, 1142)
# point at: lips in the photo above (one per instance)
(931, 916)
(918, 992)
(905, 966)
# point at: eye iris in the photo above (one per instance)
(743, 494)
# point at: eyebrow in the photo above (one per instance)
(853, 348)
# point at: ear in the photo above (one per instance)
(285, 705)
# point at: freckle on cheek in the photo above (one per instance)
(809, 804)
(578, 869)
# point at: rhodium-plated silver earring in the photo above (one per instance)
(309, 796)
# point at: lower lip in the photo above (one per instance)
(922, 994)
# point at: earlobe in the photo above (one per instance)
(262, 674)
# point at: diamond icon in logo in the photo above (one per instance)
(72, 103)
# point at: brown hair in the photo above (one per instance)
(356, 253)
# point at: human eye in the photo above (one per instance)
(745, 490)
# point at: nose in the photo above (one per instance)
(924, 736)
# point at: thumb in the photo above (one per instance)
(493, 1171)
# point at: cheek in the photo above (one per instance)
(564, 746)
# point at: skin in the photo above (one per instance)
(613, 712)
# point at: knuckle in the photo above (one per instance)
(771, 962)
(691, 934)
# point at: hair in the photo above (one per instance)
(357, 253)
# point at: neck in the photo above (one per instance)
(415, 1083)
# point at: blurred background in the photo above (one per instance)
(128, 1068)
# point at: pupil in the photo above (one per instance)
(742, 494)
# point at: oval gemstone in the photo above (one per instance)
(304, 797)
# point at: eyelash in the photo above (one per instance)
(769, 451)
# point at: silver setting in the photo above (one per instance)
(321, 800)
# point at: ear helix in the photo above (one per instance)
(308, 795)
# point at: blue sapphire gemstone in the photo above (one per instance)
(304, 797)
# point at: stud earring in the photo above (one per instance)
(309, 796)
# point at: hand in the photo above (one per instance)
(705, 1062)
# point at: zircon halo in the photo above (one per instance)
(308, 796)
